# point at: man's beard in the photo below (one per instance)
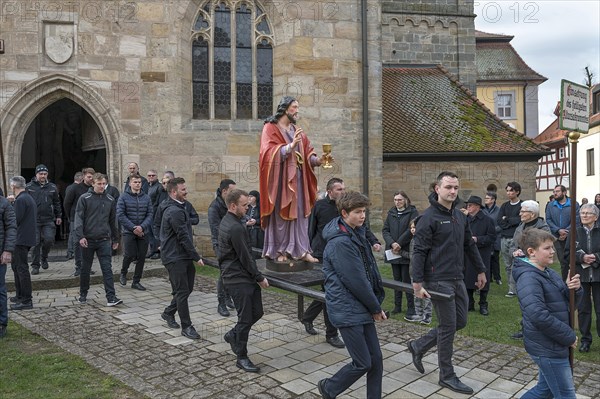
(291, 118)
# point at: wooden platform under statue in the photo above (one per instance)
(299, 272)
(289, 265)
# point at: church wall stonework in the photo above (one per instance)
(137, 57)
(431, 32)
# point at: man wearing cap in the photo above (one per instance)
(483, 231)
(49, 215)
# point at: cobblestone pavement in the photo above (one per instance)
(132, 343)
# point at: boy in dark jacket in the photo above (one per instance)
(240, 276)
(354, 293)
(544, 301)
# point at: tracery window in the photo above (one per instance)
(232, 62)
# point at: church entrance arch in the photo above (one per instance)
(54, 115)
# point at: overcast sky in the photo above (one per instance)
(556, 38)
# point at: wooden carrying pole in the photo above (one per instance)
(3, 165)
(573, 138)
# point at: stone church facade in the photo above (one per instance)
(183, 85)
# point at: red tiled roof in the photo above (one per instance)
(497, 60)
(552, 134)
(426, 110)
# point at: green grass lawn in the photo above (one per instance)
(31, 367)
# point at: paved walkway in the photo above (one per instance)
(132, 343)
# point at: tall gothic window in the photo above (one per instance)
(232, 62)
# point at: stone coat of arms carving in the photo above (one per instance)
(59, 42)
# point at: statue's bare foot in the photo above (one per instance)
(282, 258)
(309, 258)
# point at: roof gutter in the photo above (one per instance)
(365, 98)
(462, 156)
(525, 110)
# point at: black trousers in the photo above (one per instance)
(452, 316)
(313, 310)
(591, 292)
(401, 273)
(134, 247)
(182, 274)
(482, 297)
(103, 250)
(222, 293)
(495, 265)
(46, 231)
(363, 346)
(20, 268)
(559, 246)
(247, 298)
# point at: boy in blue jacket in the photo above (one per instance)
(544, 300)
(353, 293)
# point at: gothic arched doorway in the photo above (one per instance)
(65, 92)
(65, 138)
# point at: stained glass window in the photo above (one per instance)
(232, 63)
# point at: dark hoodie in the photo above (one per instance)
(442, 240)
(353, 287)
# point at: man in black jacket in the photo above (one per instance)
(216, 211)
(241, 276)
(441, 242)
(97, 233)
(8, 239)
(178, 254)
(49, 215)
(74, 191)
(26, 217)
(322, 213)
(77, 178)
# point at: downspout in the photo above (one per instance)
(525, 110)
(365, 97)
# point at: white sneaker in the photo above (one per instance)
(114, 302)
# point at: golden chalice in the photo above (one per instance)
(327, 156)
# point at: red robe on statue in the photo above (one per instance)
(282, 193)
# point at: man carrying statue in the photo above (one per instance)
(288, 185)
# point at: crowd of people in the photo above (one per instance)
(451, 248)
